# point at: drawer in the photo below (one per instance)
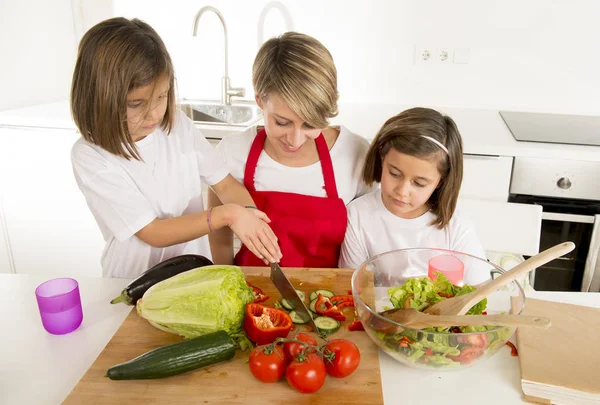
(486, 177)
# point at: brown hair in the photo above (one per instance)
(406, 133)
(301, 71)
(115, 57)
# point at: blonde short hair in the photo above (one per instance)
(406, 133)
(301, 71)
(115, 57)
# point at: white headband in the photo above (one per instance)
(438, 143)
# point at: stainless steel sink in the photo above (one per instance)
(238, 114)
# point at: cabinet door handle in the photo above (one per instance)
(580, 219)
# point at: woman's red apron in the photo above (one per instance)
(310, 230)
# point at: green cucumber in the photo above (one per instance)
(327, 325)
(325, 293)
(313, 306)
(297, 319)
(287, 304)
(176, 358)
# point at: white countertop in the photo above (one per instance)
(483, 131)
(39, 368)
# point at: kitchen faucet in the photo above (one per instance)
(226, 91)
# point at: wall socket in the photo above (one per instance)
(431, 55)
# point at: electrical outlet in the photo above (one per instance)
(444, 55)
(423, 54)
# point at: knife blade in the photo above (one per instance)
(287, 291)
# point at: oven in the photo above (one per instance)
(569, 194)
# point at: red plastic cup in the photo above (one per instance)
(450, 266)
(60, 305)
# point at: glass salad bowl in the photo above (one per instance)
(399, 278)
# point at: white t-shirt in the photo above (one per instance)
(126, 195)
(372, 230)
(347, 156)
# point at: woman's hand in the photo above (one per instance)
(251, 227)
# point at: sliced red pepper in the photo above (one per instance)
(442, 294)
(264, 324)
(324, 306)
(513, 349)
(356, 326)
(429, 352)
(336, 299)
(259, 296)
(484, 313)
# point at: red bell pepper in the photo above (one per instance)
(259, 296)
(342, 301)
(264, 324)
(356, 326)
(326, 308)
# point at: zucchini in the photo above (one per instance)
(176, 358)
(325, 293)
(327, 325)
(162, 271)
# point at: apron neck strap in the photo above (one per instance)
(324, 157)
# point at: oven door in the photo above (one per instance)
(568, 220)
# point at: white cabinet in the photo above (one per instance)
(51, 229)
(486, 177)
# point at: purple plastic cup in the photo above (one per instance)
(60, 305)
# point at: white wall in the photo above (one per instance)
(537, 55)
(38, 47)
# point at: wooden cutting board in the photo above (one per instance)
(229, 382)
(563, 357)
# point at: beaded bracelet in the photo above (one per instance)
(210, 228)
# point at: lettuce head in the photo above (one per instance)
(198, 301)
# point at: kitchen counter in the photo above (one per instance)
(40, 368)
(483, 131)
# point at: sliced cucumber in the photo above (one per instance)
(313, 306)
(325, 293)
(296, 318)
(327, 325)
(287, 304)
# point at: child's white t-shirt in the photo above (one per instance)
(126, 195)
(372, 230)
(347, 155)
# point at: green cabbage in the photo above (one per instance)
(198, 302)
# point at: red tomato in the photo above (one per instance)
(306, 376)
(480, 340)
(346, 360)
(292, 349)
(467, 355)
(265, 366)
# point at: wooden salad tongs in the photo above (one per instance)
(459, 305)
(414, 319)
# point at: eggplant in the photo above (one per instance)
(162, 271)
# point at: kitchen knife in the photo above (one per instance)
(287, 291)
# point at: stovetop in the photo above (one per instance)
(553, 128)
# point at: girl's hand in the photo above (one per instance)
(250, 226)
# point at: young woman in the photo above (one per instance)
(300, 171)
